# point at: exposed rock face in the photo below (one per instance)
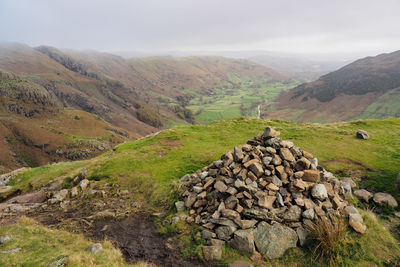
(361, 134)
(257, 196)
(385, 199)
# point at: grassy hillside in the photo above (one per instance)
(150, 166)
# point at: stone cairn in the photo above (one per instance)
(260, 197)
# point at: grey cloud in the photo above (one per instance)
(286, 26)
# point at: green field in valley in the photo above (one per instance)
(237, 101)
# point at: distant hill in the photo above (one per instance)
(366, 88)
(300, 68)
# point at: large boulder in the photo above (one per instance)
(273, 240)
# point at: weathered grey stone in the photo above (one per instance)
(59, 196)
(303, 164)
(303, 236)
(10, 251)
(203, 175)
(5, 238)
(238, 153)
(293, 214)
(240, 263)
(280, 199)
(95, 248)
(356, 222)
(270, 132)
(311, 176)
(4, 189)
(220, 186)
(286, 155)
(273, 240)
(363, 195)
(224, 232)
(319, 192)
(266, 201)
(361, 134)
(257, 169)
(243, 240)
(180, 206)
(385, 199)
(266, 160)
(59, 263)
(346, 189)
(206, 234)
(308, 214)
(74, 192)
(190, 200)
(83, 184)
(197, 189)
(212, 253)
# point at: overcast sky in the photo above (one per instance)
(302, 26)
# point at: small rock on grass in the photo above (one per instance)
(3, 239)
(361, 134)
(11, 251)
(59, 263)
(95, 248)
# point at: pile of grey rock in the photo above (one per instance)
(260, 197)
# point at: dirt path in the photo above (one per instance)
(138, 241)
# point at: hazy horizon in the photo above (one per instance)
(339, 30)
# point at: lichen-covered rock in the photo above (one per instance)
(273, 240)
(243, 240)
(319, 192)
(212, 253)
(363, 195)
(385, 199)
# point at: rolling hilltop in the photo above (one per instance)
(366, 88)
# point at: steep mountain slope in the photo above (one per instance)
(359, 90)
(34, 131)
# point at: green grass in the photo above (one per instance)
(152, 164)
(234, 102)
(385, 106)
(149, 167)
